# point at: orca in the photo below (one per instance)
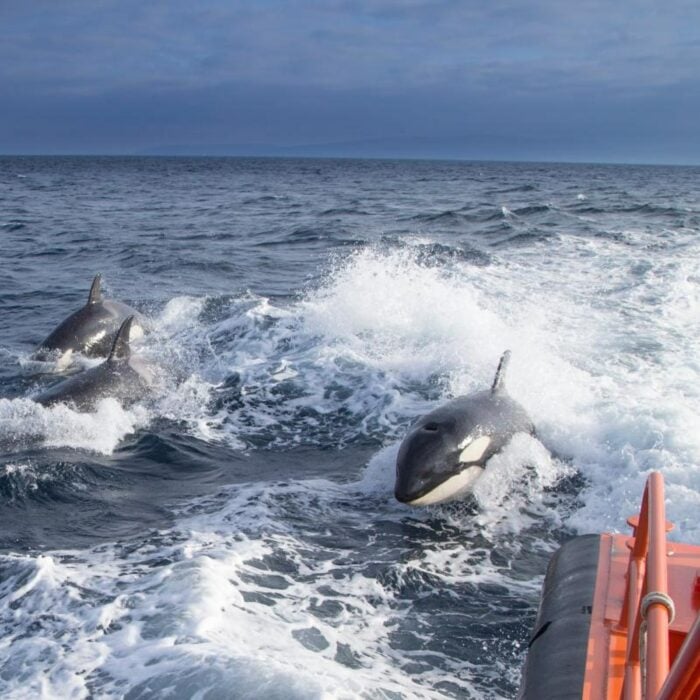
(121, 376)
(446, 450)
(91, 330)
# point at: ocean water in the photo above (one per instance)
(235, 534)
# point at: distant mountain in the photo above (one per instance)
(472, 149)
(479, 147)
(191, 149)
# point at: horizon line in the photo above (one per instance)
(423, 158)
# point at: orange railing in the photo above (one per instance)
(683, 680)
(648, 610)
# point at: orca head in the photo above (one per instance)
(91, 330)
(447, 450)
(437, 462)
(79, 332)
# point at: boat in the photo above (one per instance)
(619, 616)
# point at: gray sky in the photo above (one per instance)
(593, 80)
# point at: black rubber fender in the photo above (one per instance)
(555, 664)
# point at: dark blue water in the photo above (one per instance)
(237, 528)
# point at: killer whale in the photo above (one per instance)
(447, 449)
(121, 376)
(90, 330)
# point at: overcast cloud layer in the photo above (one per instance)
(552, 80)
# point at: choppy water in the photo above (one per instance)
(236, 535)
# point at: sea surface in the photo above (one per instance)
(235, 535)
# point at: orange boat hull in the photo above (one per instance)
(619, 616)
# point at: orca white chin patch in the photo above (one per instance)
(450, 489)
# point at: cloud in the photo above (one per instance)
(122, 73)
(479, 125)
(85, 45)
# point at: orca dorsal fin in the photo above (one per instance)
(95, 296)
(120, 347)
(499, 379)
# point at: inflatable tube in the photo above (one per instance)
(556, 659)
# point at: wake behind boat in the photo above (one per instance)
(238, 529)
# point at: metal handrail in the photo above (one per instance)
(683, 680)
(646, 609)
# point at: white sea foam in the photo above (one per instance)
(608, 376)
(611, 349)
(603, 398)
(24, 421)
(69, 361)
(179, 313)
(512, 491)
(602, 360)
(205, 608)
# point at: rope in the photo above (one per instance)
(657, 597)
(643, 656)
(651, 599)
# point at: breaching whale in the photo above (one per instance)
(447, 449)
(121, 376)
(90, 330)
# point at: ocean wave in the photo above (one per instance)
(12, 226)
(239, 529)
(280, 602)
(532, 209)
(344, 211)
(24, 422)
